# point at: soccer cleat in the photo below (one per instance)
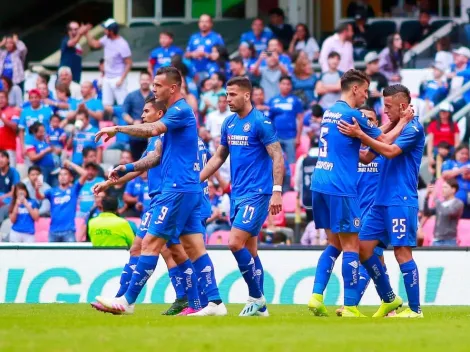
(351, 312)
(386, 308)
(212, 309)
(116, 305)
(339, 311)
(100, 308)
(188, 311)
(252, 306)
(177, 307)
(262, 314)
(408, 313)
(316, 305)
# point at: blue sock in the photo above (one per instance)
(381, 280)
(350, 271)
(411, 280)
(246, 264)
(143, 270)
(325, 267)
(205, 273)
(260, 275)
(176, 280)
(190, 284)
(202, 295)
(364, 279)
(126, 275)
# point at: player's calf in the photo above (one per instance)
(410, 274)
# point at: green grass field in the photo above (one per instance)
(63, 327)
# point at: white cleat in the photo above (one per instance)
(212, 309)
(262, 314)
(117, 305)
(253, 305)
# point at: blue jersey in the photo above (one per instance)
(338, 156)
(398, 180)
(434, 91)
(24, 222)
(55, 136)
(367, 183)
(86, 197)
(260, 43)
(160, 56)
(82, 139)
(154, 175)
(251, 167)
(204, 156)
(73, 103)
(464, 183)
(180, 166)
(94, 105)
(63, 207)
(29, 116)
(283, 112)
(198, 42)
(139, 188)
(38, 146)
(144, 196)
(283, 59)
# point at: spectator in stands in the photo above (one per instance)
(30, 182)
(248, 55)
(108, 229)
(237, 67)
(312, 123)
(132, 111)
(93, 106)
(184, 66)
(143, 197)
(44, 78)
(63, 200)
(313, 236)
(65, 77)
(161, 56)
(23, 213)
(281, 30)
(415, 37)
(9, 117)
(210, 98)
(443, 154)
(220, 204)
(40, 153)
(47, 97)
(340, 42)
(9, 177)
(90, 155)
(360, 6)
(71, 50)
(303, 41)
(82, 136)
(131, 196)
(12, 58)
(270, 74)
(64, 105)
(216, 118)
(460, 170)
(328, 86)
(15, 94)
(200, 45)
(98, 82)
(29, 115)
(224, 170)
(377, 82)
(57, 138)
(117, 62)
(304, 80)
(460, 75)
(219, 61)
(287, 114)
(448, 213)
(258, 100)
(391, 59)
(443, 54)
(275, 45)
(203, 133)
(436, 89)
(360, 39)
(259, 36)
(86, 197)
(443, 129)
(189, 97)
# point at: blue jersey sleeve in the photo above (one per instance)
(22, 122)
(76, 188)
(175, 118)
(298, 106)
(48, 193)
(266, 132)
(190, 46)
(130, 188)
(448, 165)
(368, 127)
(408, 139)
(34, 204)
(16, 176)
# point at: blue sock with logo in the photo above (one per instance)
(126, 276)
(260, 275)
(190, 284)
(325, 267)
(176, 280)
(143, 270)
(364, 279)
(205, 272)
(350, 270)
(377, 273)
(410, 274)
(246, 264)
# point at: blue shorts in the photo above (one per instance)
(175, 214)
(337, 213)
(176, 240)
(145, 221)
(394, 225)
(249, 214)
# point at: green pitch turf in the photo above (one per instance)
(64, 327)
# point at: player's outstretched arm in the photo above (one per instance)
(214, 163)
(145, 130)
(275, 152)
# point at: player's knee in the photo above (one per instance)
(235, 244)
(403, 254)
(152, 245)
(193, 246)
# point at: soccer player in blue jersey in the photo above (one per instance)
(393, 218)
(334, 190)
(177, 211)
(255, 160)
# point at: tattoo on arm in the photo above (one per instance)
(145, 130)
(275, 152)
(151, 160)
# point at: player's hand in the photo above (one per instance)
(275, 205)
(353, 130)
(408, 114)
(100, 187)
(109, 132)
(117, 173)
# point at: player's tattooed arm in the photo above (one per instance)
(214, 163)
(151, 160)
(275, 152)
(145, 130)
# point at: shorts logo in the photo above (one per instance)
(400, 237)
(357, 222)
(246, 127)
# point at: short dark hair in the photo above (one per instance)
(68, 170)
(237, 59)
(317, 110)
(168, 33)
(34, 168)
(460, 147)
(62, 87)
(101, 61)
(452, 182)
(35, 127)
(44, 76)
(396, 89)
(157, 105)
(8, 81)
(444, 144)
(110, 204)
(284, 78)
(55, 116)
(88, 150)
(425, 12)
(171, 73)
(92, 164)
(5, 154)
(221, 77)
(343, 26)
(367, 108)
(351, 77)
(144, 73)
(334, 54)
(277, 11)
(242, 82)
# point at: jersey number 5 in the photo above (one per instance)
(323, 151)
